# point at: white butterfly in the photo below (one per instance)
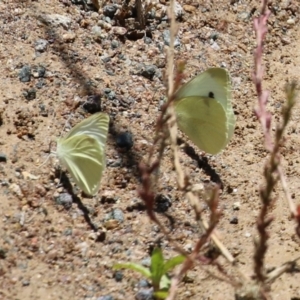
(82, 152)
(204, 111)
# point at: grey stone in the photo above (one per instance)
(25, 74)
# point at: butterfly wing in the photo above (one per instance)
(213, 83)
(84, 158)
(204, 121)
(95, 126)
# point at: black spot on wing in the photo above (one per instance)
(211, 95)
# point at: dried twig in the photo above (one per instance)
(260, 27)
(193, 257)
(272, 170)
(289, 266)
(264, 116)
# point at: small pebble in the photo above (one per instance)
(40, 45)
(162, 203)
(115, 44)
(147, 40)
(3, 157)
(244, 16)
(111, 95)
(97, 32)
(118, 276)
(215, 46)
(57, 20)
(110, 10)
(2, 253)
(108, 20)
(118, 215)
(214, 36)
(236, 205)
(234, 220)
(25, 282)
(38, 72)
(16, 189)
(178, 10)
(144, 294)
(40, 84)
(30, 94)
(188, 247)
(124, 140)
(167, 39)
(119, 30)
(69, 37)
(105, 58)
(146, 262)
(143, 283)
(148, 71)
(189, 8)
(290, 21)
(92, 104)
(107, 297)
(65, 200)
(104, 25)
(25, 74)
(43, 110)
(111, 224)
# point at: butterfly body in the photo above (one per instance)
(82, 152)
(204, 112)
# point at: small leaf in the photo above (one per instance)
(136, 267)
(165, 282)
(157, 267)
(161, 294)
(173, 262)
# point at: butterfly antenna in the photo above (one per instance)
(51, 154)
(69, 118)
(45, 161)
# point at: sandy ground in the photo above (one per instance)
(54, 251)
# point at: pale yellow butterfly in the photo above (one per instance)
(82, 152)
(204, 111)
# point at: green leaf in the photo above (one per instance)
(157, 267)
(173, 262)
(136, 267)
(165, 282)
(161, 294)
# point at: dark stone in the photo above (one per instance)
(92, 104)
(124, 140)
(110, 10)
(118, 276)
(162, 203)
(234, 220)
(3, 157)
(30, 94)
(149, 71)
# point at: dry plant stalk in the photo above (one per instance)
(166, 129)
(272, 170)
(162, 136)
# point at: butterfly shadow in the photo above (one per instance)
(129, 157)
(202, 162)
(65, 182)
